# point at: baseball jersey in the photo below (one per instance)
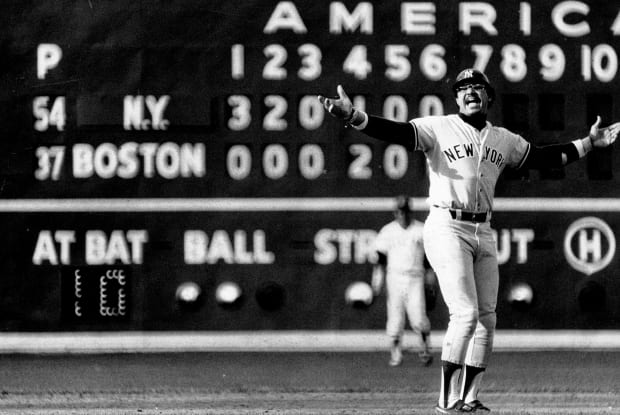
(464, 163)
(403, 247)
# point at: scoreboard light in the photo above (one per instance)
(189, 295)
(592, 297)
(358, 294)
(270, 296)
(521, 295)
(228, 294)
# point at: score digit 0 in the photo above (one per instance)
(109, 307)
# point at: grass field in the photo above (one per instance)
(297, 383)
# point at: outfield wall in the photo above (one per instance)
(153, 144)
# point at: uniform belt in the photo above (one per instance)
(480, 217)
(460, 214)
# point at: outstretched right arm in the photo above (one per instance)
(395, 132)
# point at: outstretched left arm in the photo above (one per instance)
(558, 155)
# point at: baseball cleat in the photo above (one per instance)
(396, 356)
(478, 406)
(426, 358)
(458, 408)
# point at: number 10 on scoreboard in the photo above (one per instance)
(96, 294)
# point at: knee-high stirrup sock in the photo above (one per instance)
(472, 376)
(450, 380)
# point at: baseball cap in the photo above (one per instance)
(402, 203)
(473, 76)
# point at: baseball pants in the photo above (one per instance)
(405, 299)
(464, 257)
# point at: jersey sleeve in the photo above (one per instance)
(381, 243)
(520, 149)
(425, 135)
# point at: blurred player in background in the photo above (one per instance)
(400, 267)
(465, 154)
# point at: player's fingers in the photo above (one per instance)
(615, 127)
(328, 104)
(612, 134)
(343, 95)
(597, 123)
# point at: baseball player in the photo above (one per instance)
(465, 154)
(400, 267)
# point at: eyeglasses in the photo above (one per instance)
(475, 87)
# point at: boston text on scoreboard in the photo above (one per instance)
(220, 99)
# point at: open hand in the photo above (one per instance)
(602, 137)
(340, 107)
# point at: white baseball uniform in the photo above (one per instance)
(405, 271)
(464, 165)
(465, 159)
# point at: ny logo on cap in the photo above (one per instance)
(468, 73)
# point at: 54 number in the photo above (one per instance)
(49, 115)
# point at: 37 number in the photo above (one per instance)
(50, 162)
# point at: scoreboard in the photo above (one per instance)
(150, 144)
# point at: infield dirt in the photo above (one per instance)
(297, 383)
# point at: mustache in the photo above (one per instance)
(472, 97)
